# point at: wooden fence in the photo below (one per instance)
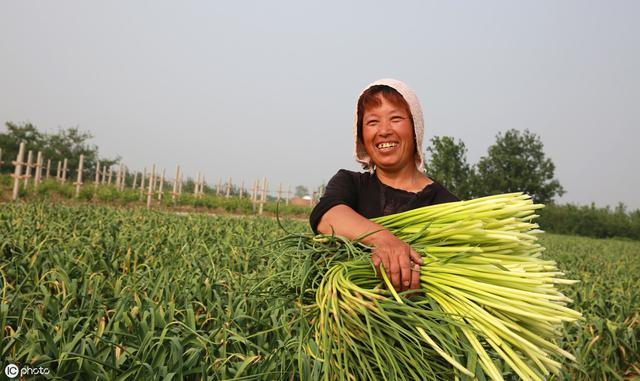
(150, 185)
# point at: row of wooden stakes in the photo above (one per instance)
(151, 185)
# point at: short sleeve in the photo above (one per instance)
(341, 189)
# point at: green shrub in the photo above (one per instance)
(86, 193)
(6, 181)
(290, 209)
(47, 187)
(130, 195)
(590, 221)
(107, 193)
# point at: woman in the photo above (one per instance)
(388, 130)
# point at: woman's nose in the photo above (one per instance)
(385, 128)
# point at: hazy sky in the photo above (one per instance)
(252, 89)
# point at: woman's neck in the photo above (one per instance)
(408, 179)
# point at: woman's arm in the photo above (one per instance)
(394, 254)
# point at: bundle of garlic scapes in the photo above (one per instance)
(488, 304)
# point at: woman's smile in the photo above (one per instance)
(387, 146)
(388, 136)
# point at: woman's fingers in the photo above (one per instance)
(375, 259)
(396, 278)
(415, 276)
(416, 261)
(386, 262)
(415, 257)
(405, 270)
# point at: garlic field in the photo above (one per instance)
(105, 293)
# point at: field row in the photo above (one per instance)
(102, 293)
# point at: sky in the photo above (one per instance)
(251, 89)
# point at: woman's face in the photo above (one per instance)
(388, 138)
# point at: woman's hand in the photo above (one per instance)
(395, 255)
(401, 263)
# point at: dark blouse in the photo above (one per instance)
(364, 193)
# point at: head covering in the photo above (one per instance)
(410, 97)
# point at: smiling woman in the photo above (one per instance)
(385, 127)
(388, 132)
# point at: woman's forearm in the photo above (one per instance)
(345, 222)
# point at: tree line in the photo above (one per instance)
(68, 143)
(515, 162)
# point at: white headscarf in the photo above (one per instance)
(410, 97)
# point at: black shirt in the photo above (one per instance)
(369, 197)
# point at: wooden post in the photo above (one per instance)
(251, 195)
(104, 175)
(17, 173)
(64, 171)
(27, 174)
(257, 190)
(228, 188)
(152, 181)
(48, 167)
(180, 184)
(38, 170)
(135, 180)
(1, 162)
(288, 195)
(109, 176)
(123, 177)
(118, 174)
(97, 182)
(263, 197)
(196, 185)
(174, 192)
(279, 192)
(58, 177)
(79, 179)
(241, 188)
(161, 187)
(254, 190)
(142, 178)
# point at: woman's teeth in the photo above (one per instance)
(386, 145)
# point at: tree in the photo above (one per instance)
(301, 191)
(10, 141)
(70, 143)
(446, 162)
(189, 185)
(516, 162)
(67, 143)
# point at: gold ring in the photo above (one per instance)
(415, 268)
